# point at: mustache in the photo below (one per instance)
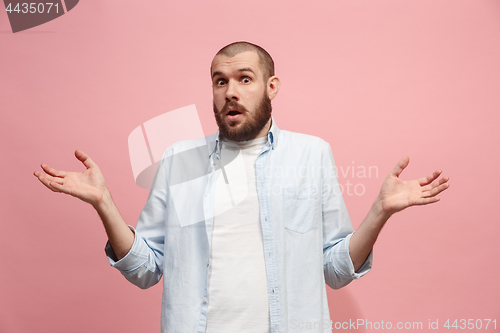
(234, 105)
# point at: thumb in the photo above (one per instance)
(402, 164)
(85, 159)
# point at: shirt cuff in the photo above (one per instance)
(365, 268)
(132, 260)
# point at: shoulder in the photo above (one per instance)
(301, 140)
(207, 142)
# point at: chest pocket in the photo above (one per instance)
(300, 209)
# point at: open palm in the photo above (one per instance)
(88, 185)
(397, 194)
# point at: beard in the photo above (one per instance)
(250, 127)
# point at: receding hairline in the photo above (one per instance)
(265, 60)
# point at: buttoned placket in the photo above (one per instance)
(267, 234)
(208, 209)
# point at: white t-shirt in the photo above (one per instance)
(237, 290)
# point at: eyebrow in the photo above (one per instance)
(246, 69)
(215, 74)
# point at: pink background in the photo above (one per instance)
(377, 79)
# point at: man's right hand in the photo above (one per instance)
(88, 185)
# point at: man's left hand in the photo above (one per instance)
(396, 194)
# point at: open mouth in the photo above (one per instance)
(233, 114)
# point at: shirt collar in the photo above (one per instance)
(272, 138)
(273, 134)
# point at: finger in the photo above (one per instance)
(430, 178)
(429, 187)
(85, 159)
(52, 171)
(47, 183)
(443, 180)
(42, 179)
(436, 190)
(402, 164)
(49, 177)
(426, 201)
(60, 188)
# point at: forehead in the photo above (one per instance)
(223, 64)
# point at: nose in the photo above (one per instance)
(232, 91)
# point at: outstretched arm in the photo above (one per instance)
(90, 187)
(395, 195)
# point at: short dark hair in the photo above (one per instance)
(266, 62)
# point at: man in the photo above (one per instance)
(248, 245)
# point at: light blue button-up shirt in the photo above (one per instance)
(305, 228)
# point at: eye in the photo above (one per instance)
(245, 79)
(220, 82)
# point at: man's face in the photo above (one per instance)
(242, 106)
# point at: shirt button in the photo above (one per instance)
(204, 301)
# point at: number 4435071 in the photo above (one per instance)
(470, 324)
(32, 7)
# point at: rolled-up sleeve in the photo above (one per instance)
(143, 264)
(138, 266)
(337, 231)
(338, 266)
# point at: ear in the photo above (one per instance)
(273, 86)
